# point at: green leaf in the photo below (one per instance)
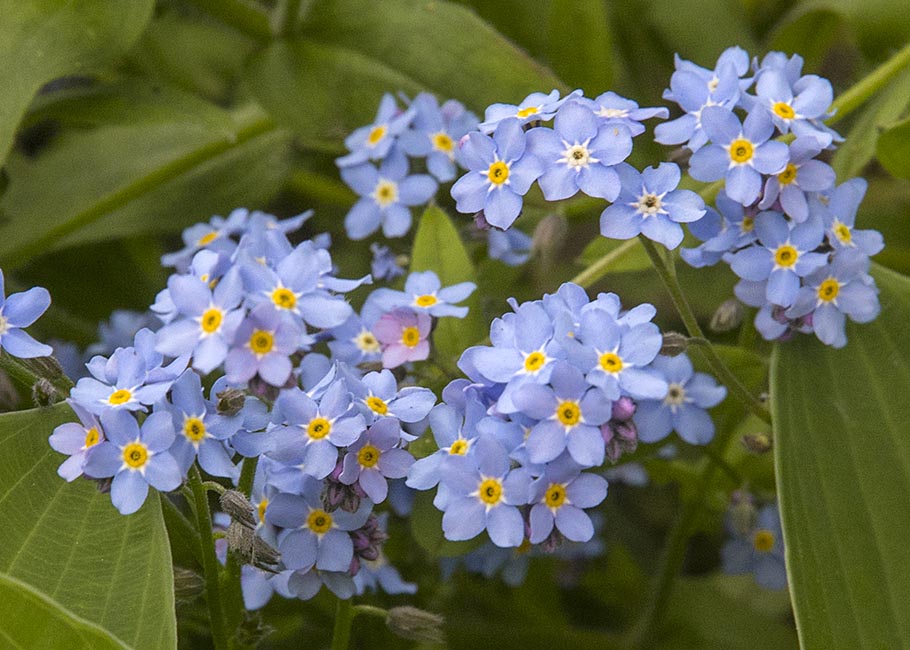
(161, 161)
(880, 25)
(693, 32)
(48, 39)
(580, 44)
(809, 31)
(67, 542)
(893, 149)
(438, 248)
(330, 79)
(843, 464)
(860, 145)
(30, 620)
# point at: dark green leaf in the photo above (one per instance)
(580, 45)
(438, 248)
(843, 463)
(809, 31)
(893, 149)
(42, 40)
(67, 541)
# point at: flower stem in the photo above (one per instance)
(599, 268)
(859, 92)
(209, 561)
(233, 590)
(344, 616)
(667, 273)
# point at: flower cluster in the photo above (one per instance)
(756, 543)
(244, 313)
(781, 222)
(567, 383)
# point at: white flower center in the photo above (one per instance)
(612, 112)
(577, 156)
(4, 325)
(676, 396)
(649, 204)
(386, 193)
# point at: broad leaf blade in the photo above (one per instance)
(29, 619)
(67, 541)
(49, 39)
(843, 463)
(893, 149)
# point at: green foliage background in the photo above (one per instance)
(122, 123)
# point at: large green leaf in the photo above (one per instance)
(438, 248)
(330, 79)
(30, 620)
(894, 149)
(843, 463)
(44, 39)
(67, 542)
(161, 160)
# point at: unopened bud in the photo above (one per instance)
(239, 508)
(188, 585)
(623, 409)
(757, 443)
(415, 624)
(230, 401)
(44, 393)
(250, 548)
(742, 512)
(549, 235)
(674, 344)
(728, 316)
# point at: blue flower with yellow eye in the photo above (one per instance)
(376, 140)
(75, 440)
(375, 457)
(263, 344)
(614, 110)
(803, 174)
(435, 132)
(18, 311)
(838, 214)
(501, 170)
(758, 549)
(560, 496)
(423, 293)
(536, 107)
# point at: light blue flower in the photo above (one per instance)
(839, 217)
(801, 175)
(263, 344)
(21, 310)
(75, 440)
(512, 247)
(376, 140)
(536, 107)
(614, 110)
(423, 293)
(213, 236)
(435, 132)
(798, 106)
(560, 496)
(758, 550)
(375, 457)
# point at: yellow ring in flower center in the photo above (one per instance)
(842, 232)
(376, 134)
(318, 428)
(319, 521)
(535, 361)
(261, 342)
(786, 256)
(490, 491)
(368, 456)
(284, 298)
(92, 437)
(555, 495)
(788, 175)
(568, 413)
(828, 290)
(524, 112)
(377, 405)
(207, 239)
(121, 396)
(410, 336)
(260, 510)
(741, 151)
(194, 429)
(211, 320)
(783, 110)
(135, 455)
(367, 342)
(763, 541)
(426, 300)
(459, 447)
(442, 142)
(610, 362)
(498, 173)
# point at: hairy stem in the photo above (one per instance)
(858, 93)
(344, 616)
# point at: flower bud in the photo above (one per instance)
(728, 316)
(674, 344)
(238, 507)
(44, 393)
(230, 401)
(742, 512)
(415, 624)
(623, 409)
(548, 236)
(757, 443)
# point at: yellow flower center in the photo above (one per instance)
(426, 300)
(410, 336)
(842, 232)
(194, 429)
(260, 510)
(205, 240)
(786, 256)
(318, 428)
(376, 134)
(284, 298)
(763, 541)
(368, 456)
(741, 151)
(524, 112)
(442, 142)
(568, 413)
(828, 290)
(377, 405)
(676, 395)
(490, 491)
(367, 342)
(386, 193)
(261, 342)
(121, 396)
(555, 495)
(610, 362)
(211, 320)
(748, 223)
(135, 455)
(459, 447)
(319, 521)
(783, 110)
(498, 173)
(788, 175)
(92, 437)
(535, 361)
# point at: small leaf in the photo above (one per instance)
(45, 40)
(438, 248)
(843, 464)
(67, 542)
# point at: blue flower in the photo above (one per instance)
(839, 217)
(783, 256)
(423, 293)
(569, 413)
(739, 154)
(374, 458)
(454, 432)
(135, 457)
(386, 195)
(512, 247)
(213, 236)
(501, 171)
(310, 433)
(536, 107)
(435, 132)
(21, 310)
(377, 396)
(376, 140)
(798, 106)
(75, 440)
(802, 174)
(560, 496)
(614, 110)
(385, 264)
(650, 204)
(758, 550)
(355, 342)
(579, 154)
(487, 492)
(689, 393)
(263, 344)
(832, 292)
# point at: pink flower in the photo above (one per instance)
(403, 335)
